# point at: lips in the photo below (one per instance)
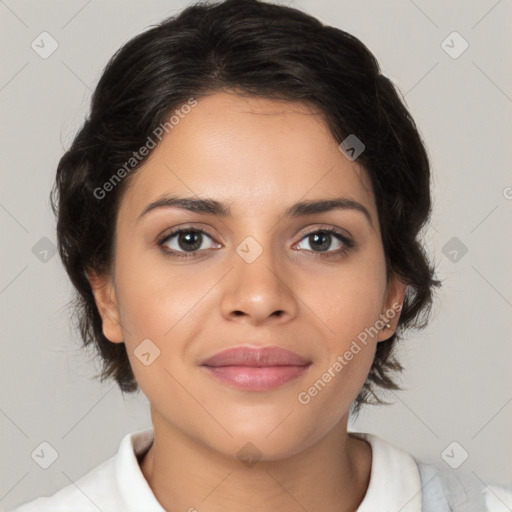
(256, 369)
(256, 357)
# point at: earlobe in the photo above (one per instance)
(106, 301)
(392, 307)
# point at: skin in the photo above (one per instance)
(258, 156)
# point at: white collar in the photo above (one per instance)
(395, 482)
(133, 486)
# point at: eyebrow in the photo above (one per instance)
(213, 207)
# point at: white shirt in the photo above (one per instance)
(118, 484)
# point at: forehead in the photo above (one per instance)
(254, 153)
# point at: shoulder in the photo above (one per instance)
(405, 483)
(116, 484)
(81, 495)
(457, 491)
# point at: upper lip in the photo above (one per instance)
(256, 357)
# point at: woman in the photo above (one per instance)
(240, 217)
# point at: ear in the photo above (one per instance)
(392, 306)
(106, 300)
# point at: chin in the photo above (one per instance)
(270, 443)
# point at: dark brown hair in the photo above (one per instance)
(259, 49)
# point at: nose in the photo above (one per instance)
(259, 291)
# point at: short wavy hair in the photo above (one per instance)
(260, 49)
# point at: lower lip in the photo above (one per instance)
(252, 378)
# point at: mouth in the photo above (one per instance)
(256, 369)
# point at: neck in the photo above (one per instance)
(184, 474)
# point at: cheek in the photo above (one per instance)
(344, 304)
(153, 295)
(348, 299)
(165, 315)
(158, 307)
(169, 307)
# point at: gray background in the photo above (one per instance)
(457, 379)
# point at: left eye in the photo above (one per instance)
(321, 240)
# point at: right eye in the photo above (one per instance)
(184, 240)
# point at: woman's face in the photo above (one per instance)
(256, 276)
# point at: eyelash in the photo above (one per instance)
(347, 243)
